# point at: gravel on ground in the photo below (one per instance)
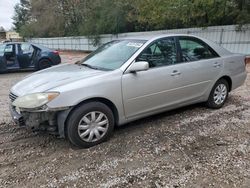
(188, 147)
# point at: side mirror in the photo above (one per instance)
(139, 66)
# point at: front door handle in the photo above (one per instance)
(175, 73)
(216, 64)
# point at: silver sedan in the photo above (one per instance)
(125, 80)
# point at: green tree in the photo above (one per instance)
(22, 14)
(48, 18)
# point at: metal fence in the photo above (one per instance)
(234, 38)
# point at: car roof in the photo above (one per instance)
(35, 45)
(153, 36)
(148, 37)
(14, 42)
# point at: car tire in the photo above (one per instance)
(43, 64)
(86, 129)
(219, 94)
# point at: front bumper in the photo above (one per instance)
(52, 121)
(34, 120)
(18, 118)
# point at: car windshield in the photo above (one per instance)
(112, 55)
(2, 47)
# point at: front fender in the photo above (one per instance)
(61, 120)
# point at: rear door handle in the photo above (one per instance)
(175, 73)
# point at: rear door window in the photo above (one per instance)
(193, 49)
(27, 48)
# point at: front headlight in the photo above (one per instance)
(35, 100)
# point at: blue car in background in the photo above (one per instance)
(26, 56)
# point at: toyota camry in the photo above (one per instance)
(125, 80)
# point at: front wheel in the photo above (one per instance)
(219, 94)
(90, 124)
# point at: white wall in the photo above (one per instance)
(230, 37)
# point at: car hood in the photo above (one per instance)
(48, 79)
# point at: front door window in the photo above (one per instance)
(161, 53)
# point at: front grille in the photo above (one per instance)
(12, 97)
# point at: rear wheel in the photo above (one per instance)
(44, 63)
(219, 94)
(90, 124)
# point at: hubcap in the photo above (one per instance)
(93, 126)
(220, 94)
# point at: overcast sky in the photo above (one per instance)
(7, 12)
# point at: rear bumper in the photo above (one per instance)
(238, 80)
(56, 60)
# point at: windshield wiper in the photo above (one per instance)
(89, 66)
(93, 67)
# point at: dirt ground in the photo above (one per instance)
(189, 147)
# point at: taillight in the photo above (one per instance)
(56, 52)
